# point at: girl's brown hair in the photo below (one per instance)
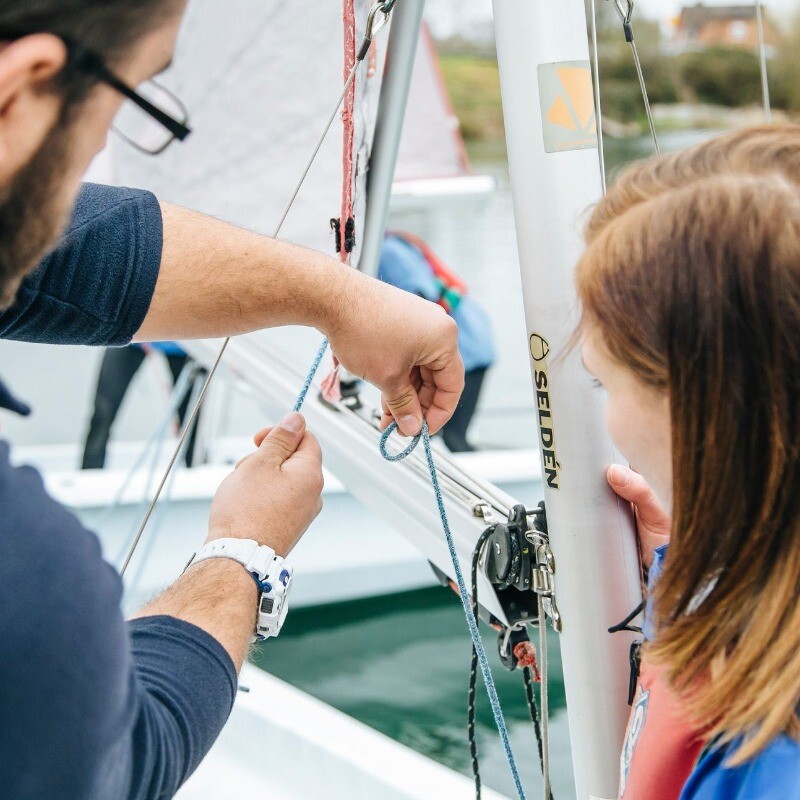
(692, 278)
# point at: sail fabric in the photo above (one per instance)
(431, 145)
(257, 109)
(258, 106)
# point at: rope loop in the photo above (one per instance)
(403, 453)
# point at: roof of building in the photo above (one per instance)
(697, 15)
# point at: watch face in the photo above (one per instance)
(267, 604)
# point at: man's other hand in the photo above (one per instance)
(273, 495)
(404, 345)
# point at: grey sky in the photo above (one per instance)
(452, 17)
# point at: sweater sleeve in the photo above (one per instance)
(101, 708)
(184, 685)
(95, 287)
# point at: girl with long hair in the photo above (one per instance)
(690, 293)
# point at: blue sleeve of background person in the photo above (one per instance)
(474, 334)
(92, 707)
(654, 573)
(95, 287)
(774, 774)
(168, 348)
(405, 267)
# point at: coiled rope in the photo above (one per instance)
(486, 671)
(477, 643)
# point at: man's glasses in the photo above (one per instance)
(151, 119)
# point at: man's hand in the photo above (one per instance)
(404, 345)
(273, 495)
(652, 522)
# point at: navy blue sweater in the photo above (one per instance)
(92, 706)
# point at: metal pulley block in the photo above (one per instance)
(506, 561)
(544, 565)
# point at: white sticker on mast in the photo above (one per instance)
(567, 103)
(543, 54)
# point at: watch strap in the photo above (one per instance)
(255, 558)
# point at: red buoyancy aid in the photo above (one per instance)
(662, 744)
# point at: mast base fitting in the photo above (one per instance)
(507, 642)
(518, 562)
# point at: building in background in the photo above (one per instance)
(699, 27)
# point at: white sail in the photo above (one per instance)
(258, 105)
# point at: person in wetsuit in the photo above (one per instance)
(117, 369)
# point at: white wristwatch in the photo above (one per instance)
(272, 575)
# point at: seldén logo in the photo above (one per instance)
(540, 349)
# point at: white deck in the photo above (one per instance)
(283, 744)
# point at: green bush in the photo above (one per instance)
(619, 85)
(784, 71)
(722, 76)
(622, 100)
(474, 86)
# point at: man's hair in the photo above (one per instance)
(691, 278)
(109, 28)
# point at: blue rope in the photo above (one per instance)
(462, 589)
(486, 670)
(301, 398)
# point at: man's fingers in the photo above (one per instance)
(631, 486)
(448, 383)
(308, 460)
(432, 393)
(282, 441)
(309, 448)
(403, 404)
(261, 435)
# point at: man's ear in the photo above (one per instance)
(27, 113)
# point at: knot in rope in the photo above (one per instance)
(525, 653)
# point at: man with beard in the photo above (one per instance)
(92, 706)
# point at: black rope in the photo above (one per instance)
(625, 625)
(514, 567)
(336, 227)
(527, 674)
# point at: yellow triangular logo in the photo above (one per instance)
(573, 109)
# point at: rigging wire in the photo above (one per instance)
(544, 698)
(762, 57)
(144, 557)
(598, 114)
(625, 11)
(156, 439)
(371, 31)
